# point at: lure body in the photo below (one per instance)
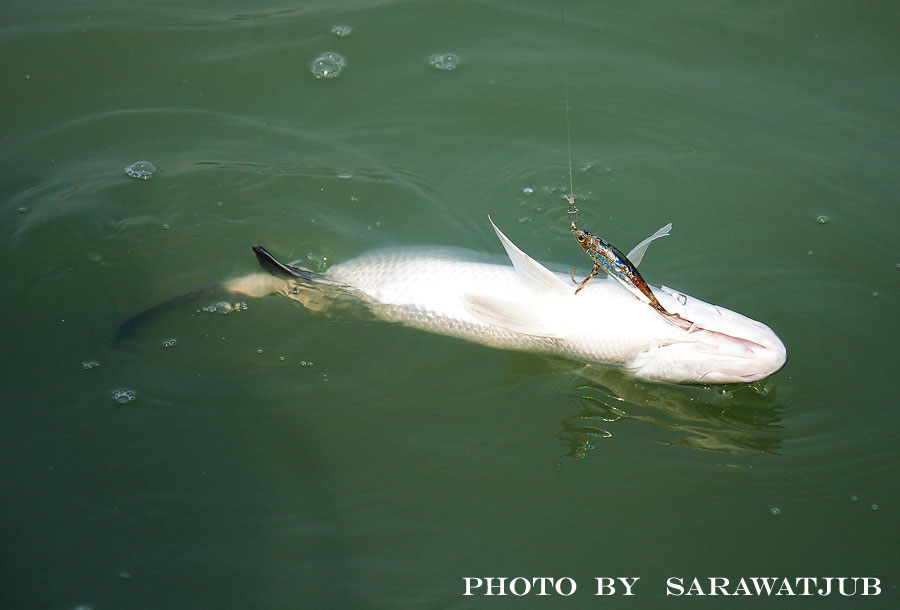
(608, 258)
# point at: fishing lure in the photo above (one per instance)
(610, 259)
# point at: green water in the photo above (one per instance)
(399, 462)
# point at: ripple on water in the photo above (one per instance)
(880, 442)
(141, 170)
(444, 61)
(328, 65)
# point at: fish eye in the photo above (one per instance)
(581, 238)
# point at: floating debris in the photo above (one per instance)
(444, 61)
(141, 170)
(328, 65)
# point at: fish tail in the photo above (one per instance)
(130, 326)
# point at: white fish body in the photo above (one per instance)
(528, 307)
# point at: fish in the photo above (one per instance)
(523, 305)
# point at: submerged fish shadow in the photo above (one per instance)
(733, 419)
(737, 419)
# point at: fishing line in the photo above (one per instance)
(573, 209)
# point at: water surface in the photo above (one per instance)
(275, 458)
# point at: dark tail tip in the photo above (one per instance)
(271, 264)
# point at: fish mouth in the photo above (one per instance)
(722, 346)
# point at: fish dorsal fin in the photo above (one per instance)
(637, 253)
(537, 277)
(511, 315)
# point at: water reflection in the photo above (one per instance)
(731, 419)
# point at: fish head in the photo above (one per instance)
(584, 238)
(719, 346)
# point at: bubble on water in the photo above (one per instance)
(809, 253)
(23, 209)
(141, 170)
(165, 227)
(124, 575)
(318, 263)
(222, 307)
(774, 511)
(586, 167)
(345, 175)
(874, 507)
(822, 219)
(444, 61)
(170, 343)
(854, 498)
(27, 77)
(527, 190)
(328, 65)
(341, 30)
(354, 198)
(89, 364)
(123, 396)
(259, 351)
(281, 358)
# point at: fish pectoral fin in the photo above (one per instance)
(511, 315)
(537, 277)
(637, 253)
